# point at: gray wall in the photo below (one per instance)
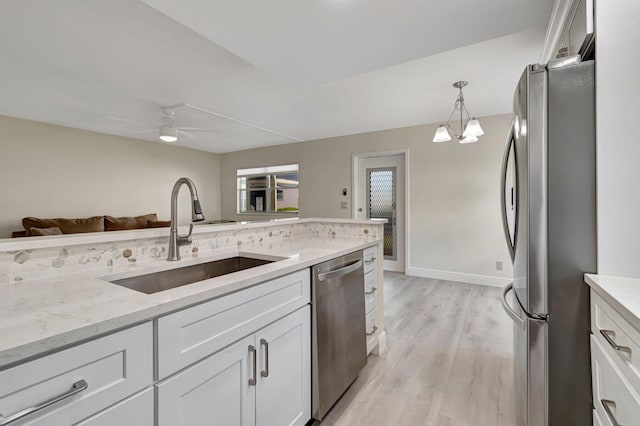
(453, 195)
(54, 171)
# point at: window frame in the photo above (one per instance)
(271, 190)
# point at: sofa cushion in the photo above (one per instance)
(67, 226)
(123, 223)
(54, 230)
(159, 223)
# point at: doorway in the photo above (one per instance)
(379, 193)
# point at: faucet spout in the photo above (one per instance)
(175, 240)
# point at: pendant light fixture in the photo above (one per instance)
(470, 128)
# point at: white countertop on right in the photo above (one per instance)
(620, 292)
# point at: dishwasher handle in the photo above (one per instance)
(353, 266)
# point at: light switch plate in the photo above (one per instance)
(498, 266)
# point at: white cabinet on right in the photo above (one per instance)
(263, 379)
(615, 344)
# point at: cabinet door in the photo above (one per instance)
(215, 391)
(284, 381)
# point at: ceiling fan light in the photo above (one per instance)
(442, 135)
(469, 139)
(473, 129)
(168, 134)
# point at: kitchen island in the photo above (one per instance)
(55, 297)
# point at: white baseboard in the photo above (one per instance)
(458, 277)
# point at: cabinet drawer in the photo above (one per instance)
(370, 255)
(611, 390)
(370, 290)
(135, 411)
(610, 329)
(113, 367)
(192, 334)
(371, 330)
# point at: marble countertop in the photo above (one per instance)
(41, 315)
(623, 294)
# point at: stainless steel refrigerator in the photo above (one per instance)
(549, 214)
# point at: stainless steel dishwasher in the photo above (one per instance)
(339, 346)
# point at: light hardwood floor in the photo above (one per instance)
(449, 360)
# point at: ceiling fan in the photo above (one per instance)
(167, 130)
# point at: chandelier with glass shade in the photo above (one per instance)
(470, 128)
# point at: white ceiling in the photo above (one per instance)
(302, 69)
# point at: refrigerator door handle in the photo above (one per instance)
(503, 202)
(509, 310)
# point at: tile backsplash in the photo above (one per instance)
(19, 265)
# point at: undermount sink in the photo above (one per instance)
(165, 280)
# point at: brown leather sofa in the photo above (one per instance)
(34, 226)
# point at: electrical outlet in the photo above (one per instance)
(344, 205)
(498, 266)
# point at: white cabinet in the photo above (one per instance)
(263, 379)
(370, 291)
(192, 334)
(578, 32)
(614, 365)
(85, 379)
(614, 399)
(137, 410)
(241, 359)
(370, 255)
(284, 382)
(371, 329)
(371, 294)
(596, 419)
(215, 388)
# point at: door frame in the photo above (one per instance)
(355, 169)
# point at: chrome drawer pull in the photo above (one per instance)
(609, 335)
(373, 290)
(265, 372)
(375, 328)
(607, 404)
(252, 351)
(370, 261)
(76, 388)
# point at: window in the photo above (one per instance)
(271, 189)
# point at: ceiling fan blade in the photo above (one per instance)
(196, 129)
(187, 134)
(126, 120)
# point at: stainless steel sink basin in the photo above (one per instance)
(159, 281)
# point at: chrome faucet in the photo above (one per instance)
(175, 240)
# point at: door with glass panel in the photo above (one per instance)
(381, 196)
(381, 204)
